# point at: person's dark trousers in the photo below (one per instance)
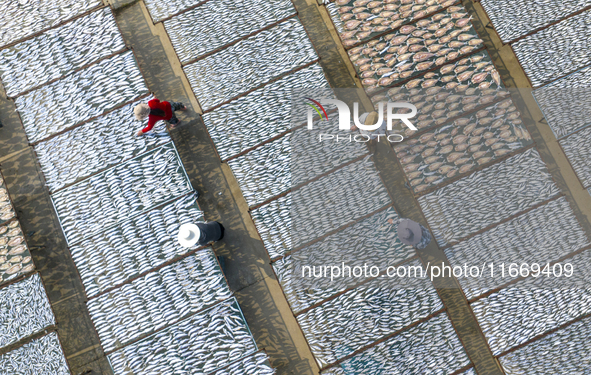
(210, 232)
(175, 107)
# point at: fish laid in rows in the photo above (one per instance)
(41, 356)
(566, 102)
(213, 25)
(265, 171)
(250, 63)
(273, 223)
(535, 305)
(204, 343)
(415, 48)
(120, 253)
(256, 364)
(335, 200)
(257, 124)
(577, 148)
(95, 146)
(366, 314)
(514, 19)
(447, 93)
(555, 51)
(20, 19)
(319, 207)
(120, 193)
(78, 97)
(557, 353)
(351, 246)
(488, 196)
(429, 347)
(158, 299)
(15, 258)
(162, 9)
(293, 159)
(57, 52)
(533, 237)
(24, 310)
(359, 20)
(462, 146)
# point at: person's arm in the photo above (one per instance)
(151, 124)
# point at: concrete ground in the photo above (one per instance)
(248, 271)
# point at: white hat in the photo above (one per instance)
(141, 111)
(189, 235)
(409, 232)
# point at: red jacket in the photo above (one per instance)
(152, 119)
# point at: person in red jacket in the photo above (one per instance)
(157, 110)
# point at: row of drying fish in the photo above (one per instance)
(122, 192)
(158, 299)
(222, 22)
(24, 310)
(350, 246)
(6, 209)
(558, 50)
(134, 246)
(293, 159)
(202, 343)
(415, 48)
(576, 147)
(565, 102)
(80, 96)
(56, 52)
(488, 196)
(95, 146)
(516, 19)
(542, 235)
(377, 17)
(21, 19)
(311, 157)
(431, 347)
(15, 258)
(255, 61)
(534, 306)
(273, 223)
(320, 207)
(361, 316)
(336, 200)
(256, 364)
(462, 146)
(262, 114)
(163, 9)
(566, 351)
(41, 356)
(265, 171)
(448, 92)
